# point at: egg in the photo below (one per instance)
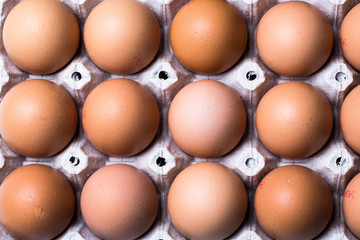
(207, 201)
(294, 39)
(349, 119)
(294, 120)
(41, 36)
(293, 202)
(349, 37)
(208, 37)
(207, 118)
(36, 202)
(38, 118)
(119, 201)
(350, 205)
(122, 37)
(120, 117)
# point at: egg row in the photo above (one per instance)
(293, 38)
(206, 118)
(205, 201)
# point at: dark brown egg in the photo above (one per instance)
(36, 202)
(293, 202)
(208, 36)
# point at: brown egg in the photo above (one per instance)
(207, 201)
(207, 119)
(36, 202)
(350, 118)
(293, 202)
(208, 37)
(120, 117)
(294, 120)
(351, 205)
(294, 39)
(38, 118)
(119, 201)
(349, 37)
(122, 37)
(41, 36)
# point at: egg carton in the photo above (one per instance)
(163, 159)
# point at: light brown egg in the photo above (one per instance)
(349, 37)
(119, 201)
(207, 201)
(293, 202)
(122, 37)
(36, 202)
(207, 119)
(41, 36)
(208, 36)
(120, 117)
(294, 120)
(351, 205)
(294, 39)
(38, 118)
(350, 118)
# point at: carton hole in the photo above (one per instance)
(251, 75)
(163, 75)
(76, 76)
(251, 162)
(340, 161)
(160, 161)
(340, 77)
(74, 161)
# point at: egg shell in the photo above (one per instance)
(207, 118)
(350, 205)
(349, 37)
(208, 37)
(41, 36)
(123, 198)
(122, 37)
(120, 117)
(207, 201)
(294, 120)
(38, 118)
(36, 202)
(294, 39)
(293, 202)
(349, 119)
(163, 160)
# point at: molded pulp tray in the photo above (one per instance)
(163, 159)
